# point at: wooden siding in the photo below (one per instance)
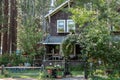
(61, 15)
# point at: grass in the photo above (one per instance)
(23, 74)
(36, 74)
(77, 73)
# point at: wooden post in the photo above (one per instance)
(2, 69)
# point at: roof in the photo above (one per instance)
(54, 39)
(58, 8)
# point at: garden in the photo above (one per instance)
(97, 34)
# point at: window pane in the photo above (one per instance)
(60, 26)
(70, 26)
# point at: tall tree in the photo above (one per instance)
(31, 16)
(13, 26)
(0, 22)
(5, 26)
(58, 2)
(95, 26)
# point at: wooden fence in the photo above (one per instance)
(18, 69)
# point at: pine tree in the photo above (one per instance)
(5, 26)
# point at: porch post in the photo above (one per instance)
(44, 55)
(74, 50)
(60, 52)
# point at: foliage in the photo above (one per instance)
(54, 67)
(68, 45)
(12, 60)
(58, 2)
(42, 75)
(31, 24)
(77, 68)
(95, 27)
(29, 36)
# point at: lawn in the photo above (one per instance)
(36, 74)
(21, 74)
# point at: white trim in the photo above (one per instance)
(57, 26)
(58, 8)
(68, 23)
(52, 43)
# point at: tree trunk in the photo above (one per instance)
(13, 26)
(5, 26)
(0, 22)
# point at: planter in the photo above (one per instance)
(54, 72)
(59, 77)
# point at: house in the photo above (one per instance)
(59, 25)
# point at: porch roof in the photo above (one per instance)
(54, 40)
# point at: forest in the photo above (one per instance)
(17, 15)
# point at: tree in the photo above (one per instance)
(67, 48)
(29, 37)
(5, 26)
(12, 33)
(31, 24)
(1, 20)
(9, 25)
(58, 2)
(95, 25)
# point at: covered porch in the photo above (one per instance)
(53, 49)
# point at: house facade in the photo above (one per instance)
(59, 26)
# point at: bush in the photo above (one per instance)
(12, 59)
(42, 75)
(77, 68)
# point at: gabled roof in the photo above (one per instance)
(58, 8)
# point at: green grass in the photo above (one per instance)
(23, 74)
(37, 74)
(77, 73)
(2, 76)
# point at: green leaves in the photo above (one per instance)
(68, 45)
(82, 16)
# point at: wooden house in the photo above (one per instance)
(59, 25)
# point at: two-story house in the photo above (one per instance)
(59, 25)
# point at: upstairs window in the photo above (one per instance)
(70, 26)
(60, 26)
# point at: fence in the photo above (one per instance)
(19, 69)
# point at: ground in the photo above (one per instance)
(76, 78)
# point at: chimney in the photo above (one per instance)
(52, 5)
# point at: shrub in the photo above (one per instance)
(76, 68)
(12, 59)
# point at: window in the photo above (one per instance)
(60, 26)
(70, 26)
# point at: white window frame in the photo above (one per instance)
(68, 24)
(58, 28)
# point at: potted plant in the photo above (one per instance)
(59, 70)
(51, 70)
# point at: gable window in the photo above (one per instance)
(60, 26)
(70, 25)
